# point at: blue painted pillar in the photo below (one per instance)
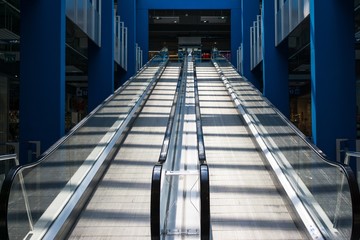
(333, 96)
(275, 62)
(142, 32)
(249, 11)
(235, 33)
(127, 12)
(101, 59)
(42, 74)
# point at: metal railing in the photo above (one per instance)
(120, 33)
(256, 43)
(139, 57)
(239, 59)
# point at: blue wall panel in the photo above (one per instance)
(275, 62)
(101, 59)
(142, 34)
(250, 9)
(332, 73)
(236, 33)
(127, 12)
(42, 73)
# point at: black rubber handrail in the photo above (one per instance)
(204, 201)
(13, 172)
(199, 131)
(204, 169)
(155, 202)
(345, 169)
(170, 123)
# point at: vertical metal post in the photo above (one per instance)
(99, 24)
(257, 40)
(122, 44)
(338, 148)
(251, 48)
(276, 9)
(126, 47)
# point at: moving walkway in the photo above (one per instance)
(172, 132)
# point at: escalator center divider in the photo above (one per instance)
(155, 209)
(204, 169)
(156, 174)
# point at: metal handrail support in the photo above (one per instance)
(349, 154)
(7, 157)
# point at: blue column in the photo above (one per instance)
(142, 32)
(127, 12)
(249, 11)
(101, 59)
(236, 33)
(275, 62)
(42, 73)
(333, 95)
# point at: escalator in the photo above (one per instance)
(323, 195)
(182, 151)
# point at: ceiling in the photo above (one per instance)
(166, 26)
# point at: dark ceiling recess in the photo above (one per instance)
(166, 26)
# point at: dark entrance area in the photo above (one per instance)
(166, 27)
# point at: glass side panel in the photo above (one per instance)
(48, 187)
(289, 16)
(81, 14)
(90, 27)
(294, 14)
(70, 9)
(322, 188)
(305, 8)
(285, 19)
(278, 35)
(18, 220)
(85, 14)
